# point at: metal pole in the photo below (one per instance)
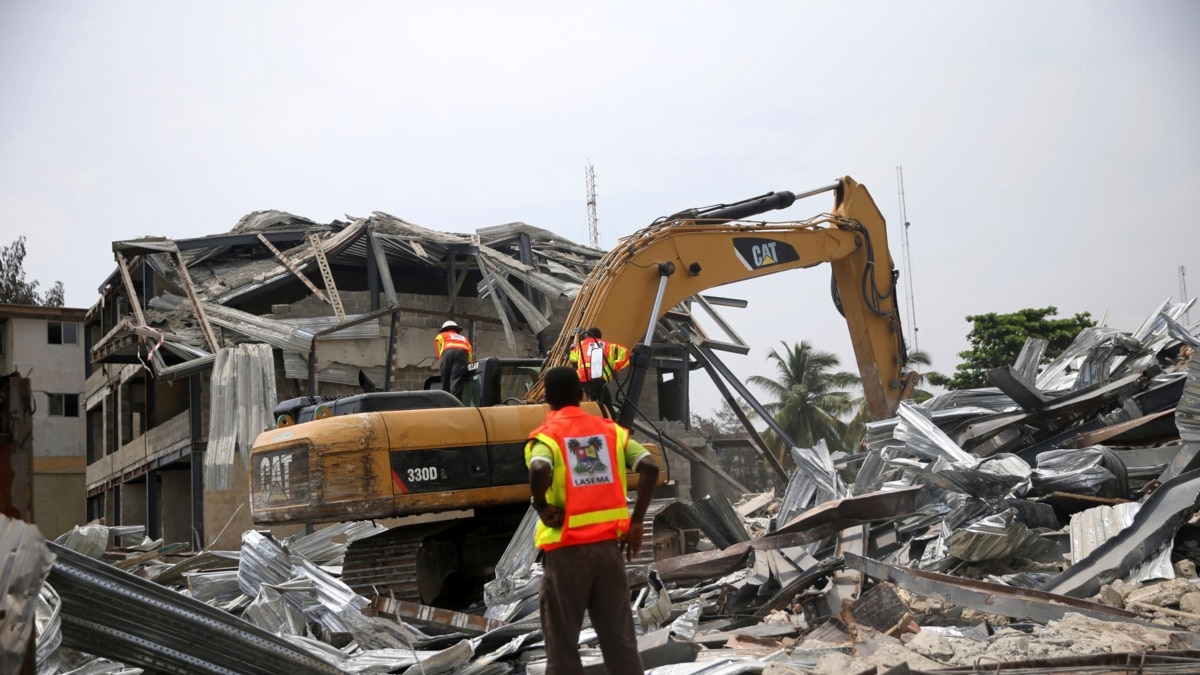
(816, 191)
(715, 369)
(665, 270)
(388, 373)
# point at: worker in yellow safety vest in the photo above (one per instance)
(596, 361)
(454, 350)
(577, 467)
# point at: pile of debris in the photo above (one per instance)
(1043, 525)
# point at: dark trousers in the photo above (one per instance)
(597, 390)
(591, 577)
(454, 371)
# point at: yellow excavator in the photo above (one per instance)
(392, 454)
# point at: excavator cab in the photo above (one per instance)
(496, 381)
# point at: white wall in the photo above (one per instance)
(57, 369)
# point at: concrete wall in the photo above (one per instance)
(175, 504)
(56, 369)
(59, 443)
(133, 504)
(415, 362)
(414, 357)
(58, 502)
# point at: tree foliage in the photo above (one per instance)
(996, 340)
(856, 427)
(722, 421)
(14, 289)
(810, 396)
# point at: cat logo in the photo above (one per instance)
(757, 253)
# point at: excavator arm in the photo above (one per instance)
(678, 257)
(386, 454)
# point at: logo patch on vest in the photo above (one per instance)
(586, 457)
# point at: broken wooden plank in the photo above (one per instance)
(134, 301)
(756, 503)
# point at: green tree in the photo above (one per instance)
(996, 340)
(14, 289)
(722, 421)
(810, 396)
(856, 428)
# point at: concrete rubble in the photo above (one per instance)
(1047, 524)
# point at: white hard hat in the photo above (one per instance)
(450, 324)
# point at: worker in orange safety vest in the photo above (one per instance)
(577, 476)
(454, 350)
(596, 361)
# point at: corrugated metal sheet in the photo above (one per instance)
(1187, 413)
(314, 325)
(921, 437)
(24, 561)
(1030, 357)
(114, 614)
(1091, 528)
(295, 367)
(321, 547)
(242, 406)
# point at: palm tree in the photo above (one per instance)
(810, 396)
(856, 428)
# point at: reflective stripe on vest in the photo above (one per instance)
(451, 340)
(594, 360)
(591, 493)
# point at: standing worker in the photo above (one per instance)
(454, 349)
(577, 466)
(596, 362)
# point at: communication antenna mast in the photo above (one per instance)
(593, 223)
(1183, 296)
(910, 291)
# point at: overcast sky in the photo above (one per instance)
(1051, 151)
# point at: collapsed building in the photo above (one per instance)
(173, 368)
(1046, 524)
(194, 341)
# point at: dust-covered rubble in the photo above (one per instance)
(973, 531)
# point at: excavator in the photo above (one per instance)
(395, 454)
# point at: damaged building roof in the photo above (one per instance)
(175, 289)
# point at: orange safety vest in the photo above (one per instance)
(589, 478)
(597, 360)
(449, 339)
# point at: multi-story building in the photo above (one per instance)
(175, 397)
(46, 345)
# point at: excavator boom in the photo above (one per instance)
(696, 250)
(390, 454)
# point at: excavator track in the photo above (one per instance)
(661, 539)
(387, 562)
(443, 564)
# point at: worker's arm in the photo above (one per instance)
(541, 477)
(647, 469)
(618, 356)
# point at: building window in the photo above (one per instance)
(61, 333)
(64, 405)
